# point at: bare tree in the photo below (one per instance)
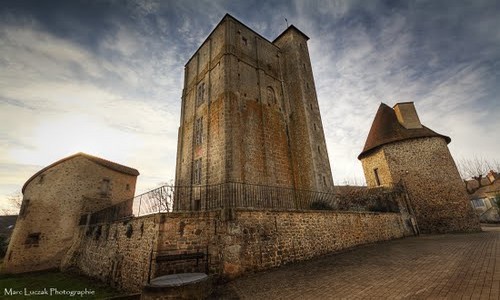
(353, 181)
(476, 168)
(15, 201)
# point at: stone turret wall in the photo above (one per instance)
(431, 178)
(51, 209)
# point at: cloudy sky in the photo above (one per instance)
(105, 77)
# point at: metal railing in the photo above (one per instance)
(170, 198)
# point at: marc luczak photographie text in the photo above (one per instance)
(48, 292)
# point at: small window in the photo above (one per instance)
(377, 179)
(197, 204)
(319, 150)
(197, 172)
(33, 239)
(315, 127)
(324, 181)
(478, 203)
(41, 179)
(127, 187)
(105, 187)
(244, 41)
(198, 131)
(200, 95)
(271, 96)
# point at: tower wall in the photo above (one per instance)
(307, 140)
(431, 178)
(376, 165)
(253, 131)
(258, 150)
(208, 68)
(52, 205)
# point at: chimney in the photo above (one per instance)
(492, 176)
(407, 115)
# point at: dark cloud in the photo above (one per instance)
(441, 54)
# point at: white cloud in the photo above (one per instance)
(59, 98)
(128, 85)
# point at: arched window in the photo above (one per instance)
(271, 96)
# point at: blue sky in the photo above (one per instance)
(105, 77)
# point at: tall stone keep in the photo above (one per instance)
(250, 113)
(400, 149)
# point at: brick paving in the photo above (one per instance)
(453, 266)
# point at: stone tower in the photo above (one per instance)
(250, 113)
(54, 199)
(400, 148)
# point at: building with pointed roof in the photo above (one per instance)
(54, 198)
(485, 198)
(399, 149)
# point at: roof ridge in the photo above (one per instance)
(101, 161)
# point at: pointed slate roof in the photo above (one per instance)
(100, 161)
(387, 129)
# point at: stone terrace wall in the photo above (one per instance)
(259, 240)
(116, 253)
(237, 241)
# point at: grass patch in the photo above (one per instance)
(48, 282)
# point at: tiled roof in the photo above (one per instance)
(473, 184)
(103, 162)
(487, 190)
(387, 129)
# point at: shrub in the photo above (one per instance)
(320, 205)
(4, 243)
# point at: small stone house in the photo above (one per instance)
(54, 199)
(399, 149)
(484, 198)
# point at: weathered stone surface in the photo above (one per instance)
(52, 205)
(451, 266)
(114, 257)
(431, 178)
(259, 113)
(251, 241)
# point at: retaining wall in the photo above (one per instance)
(236, 241)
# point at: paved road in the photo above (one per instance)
(453, 266)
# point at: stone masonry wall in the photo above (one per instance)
(237, 242)
(53, 203)
(248, 98)
(307, 139)
(377, 160)
(116, 253)
(436, 192)
(259, 240)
